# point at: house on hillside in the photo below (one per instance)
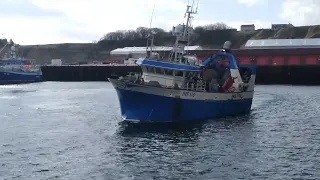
(247, 27)
(278, 26)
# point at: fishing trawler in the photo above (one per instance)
(182, 89)
(15, 70)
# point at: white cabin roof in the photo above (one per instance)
(127, 50)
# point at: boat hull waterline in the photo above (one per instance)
(147, 103)
(19, 77)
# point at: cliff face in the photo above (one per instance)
(211, 39)
(69, 53)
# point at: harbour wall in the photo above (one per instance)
(85, 72)
(284, 74)
(266, 74)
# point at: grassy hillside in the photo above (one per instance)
(210, 36)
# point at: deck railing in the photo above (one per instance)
(188, 85)
(195, 86)
(19, 69)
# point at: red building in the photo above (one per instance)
(261, 52)
(276, 52)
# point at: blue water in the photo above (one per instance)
(55, 130)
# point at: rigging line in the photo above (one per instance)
(150, 31)
(152, 16)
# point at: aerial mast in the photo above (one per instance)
(183, 32)
(150, 35)
(190, 10)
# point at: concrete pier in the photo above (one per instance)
(266, 74)
(85, 72)
(294, 74)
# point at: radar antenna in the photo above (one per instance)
(183, 37)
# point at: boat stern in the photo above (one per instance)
(248, 75)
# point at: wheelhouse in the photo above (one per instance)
(168, 74)
(18, 65)
(215, 74)
(12, 62)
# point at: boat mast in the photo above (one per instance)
(150, 35)
(12, 50)
(3, 47)
(183, 37)
(189, 12)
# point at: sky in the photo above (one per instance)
(30, 22)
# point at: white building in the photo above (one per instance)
(56, 62)
(248, 27)
(121, 55)
(142, 50)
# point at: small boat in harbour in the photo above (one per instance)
(15, 70)
(182, 89)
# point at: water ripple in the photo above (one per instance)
(68, 131)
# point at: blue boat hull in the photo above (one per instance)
(150, 107)
(18, 78)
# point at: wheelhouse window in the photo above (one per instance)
(191, 74)
(178, 73)
(168, 72)
(27, 63)
(159, 71)
(194, 74)
(150, 69)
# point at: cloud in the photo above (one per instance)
(23, 8)
(85, 21)
(104, 15)
(61, 21)
(248, 2)
(41, 30)
(301, 12)
(27, 23)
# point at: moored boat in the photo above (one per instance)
(16, 70)
(181, 89)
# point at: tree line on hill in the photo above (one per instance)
(4, 42)
(142, 32)
(211, 36)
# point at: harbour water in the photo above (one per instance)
(56, 130)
